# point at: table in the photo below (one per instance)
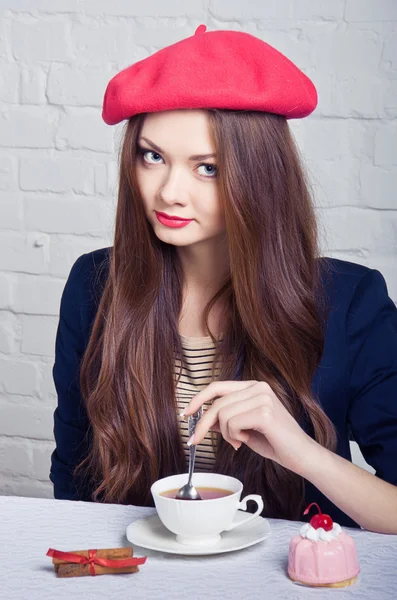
(29, 526)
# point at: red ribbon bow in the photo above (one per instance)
(92, 559)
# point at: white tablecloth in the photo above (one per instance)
(29, 526)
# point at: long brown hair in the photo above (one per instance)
(275, 317)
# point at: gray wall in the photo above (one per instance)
(58, 171)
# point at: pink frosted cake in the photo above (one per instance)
(323, 554)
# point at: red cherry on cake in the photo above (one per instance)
(320, 520)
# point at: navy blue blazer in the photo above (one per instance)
(355, 382)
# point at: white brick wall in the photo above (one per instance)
(58, 170)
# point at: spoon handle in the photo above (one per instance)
(192, 458)
(192, 422)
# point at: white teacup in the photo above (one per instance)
(200, 522)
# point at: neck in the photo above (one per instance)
(205, 268)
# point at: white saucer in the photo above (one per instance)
(150, 533)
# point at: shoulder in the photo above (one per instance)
(341, 274)
(89, 273)
(91, 264)
(357, 296)
(83, 290)
(346, 282)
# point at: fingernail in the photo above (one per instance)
(182, 413)
(190, 440)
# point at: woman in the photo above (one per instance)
(214, 285)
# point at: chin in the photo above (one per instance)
(176, 240)
(177, 237)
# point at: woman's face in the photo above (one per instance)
(174, 180)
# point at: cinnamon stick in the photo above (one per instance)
(67, 567)
(75, 570)
(113, 553)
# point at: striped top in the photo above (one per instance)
(198, 357)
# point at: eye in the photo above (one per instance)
(209, 170)
(150, 156)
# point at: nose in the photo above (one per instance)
(174, 189)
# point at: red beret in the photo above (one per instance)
(214, 69)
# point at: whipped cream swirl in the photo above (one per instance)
(315, 535)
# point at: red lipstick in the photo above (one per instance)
(172, 221)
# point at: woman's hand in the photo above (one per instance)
(249, 412)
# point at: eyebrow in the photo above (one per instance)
(193, 157)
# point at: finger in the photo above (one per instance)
(208, 421)
(252, 425)
(216, 428)
(211, 415)
(232, 419)
(223, 412)
(214, 390)
(258, 419)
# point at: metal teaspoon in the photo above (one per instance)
(188, 491)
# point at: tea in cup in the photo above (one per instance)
(201, 522)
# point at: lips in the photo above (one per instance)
(172, 217)
(170, 221)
